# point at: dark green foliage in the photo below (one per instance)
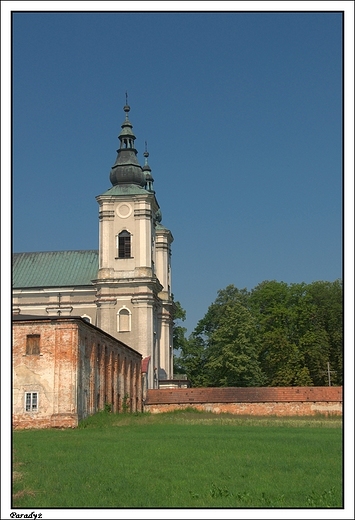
(126, 404)
(108, 407)
(233, 350)
(274, 335)
(179, 340)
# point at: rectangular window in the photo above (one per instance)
(31, 401)
(124, 245)
(32, 344)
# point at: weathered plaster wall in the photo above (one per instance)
(79, 369)
(77, 301)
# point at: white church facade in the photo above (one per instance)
(124, 287)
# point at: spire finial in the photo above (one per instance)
(146, 154)
(147, 170)
(126, 108)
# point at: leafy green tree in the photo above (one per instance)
(228, 296)
(197, 353)
(300, 327)
(193, 361)
(233, 353)
(273, 305)
(282, 361)
(179, 339)
(275, 335)
(327, 300)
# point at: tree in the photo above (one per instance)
(193, 361)
(300, 330)
(233, 350)
(228, 296)
(179, 339)
(197, 352)
(274, 307)
(275, 335)
(327, 300)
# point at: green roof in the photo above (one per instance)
(126, 189)
(54, 268)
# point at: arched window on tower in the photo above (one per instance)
(124, 320)
(124, 245)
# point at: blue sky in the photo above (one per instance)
(242, 113)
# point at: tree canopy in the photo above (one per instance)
(277, 334)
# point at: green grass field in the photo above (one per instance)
(185, 459)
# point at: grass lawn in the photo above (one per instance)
(185, 459)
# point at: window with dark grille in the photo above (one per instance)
(124, 245)
(32, 344)
(31, 401)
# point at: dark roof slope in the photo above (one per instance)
(54, 268)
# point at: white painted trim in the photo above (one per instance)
(25, 403)
(129, 319)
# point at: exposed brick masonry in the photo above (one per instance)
(77, 371)
(249, 401)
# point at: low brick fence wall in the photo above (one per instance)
(280, 401)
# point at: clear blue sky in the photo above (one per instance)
(242, 113)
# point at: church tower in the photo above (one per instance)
(134, 301)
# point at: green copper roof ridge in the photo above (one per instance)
(122, 189)
(56, 251)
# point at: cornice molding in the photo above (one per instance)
(143, 213)
(106, 214)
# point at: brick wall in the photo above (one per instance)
(249, 401)
(77, 371)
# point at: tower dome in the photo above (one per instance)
(126, 169)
